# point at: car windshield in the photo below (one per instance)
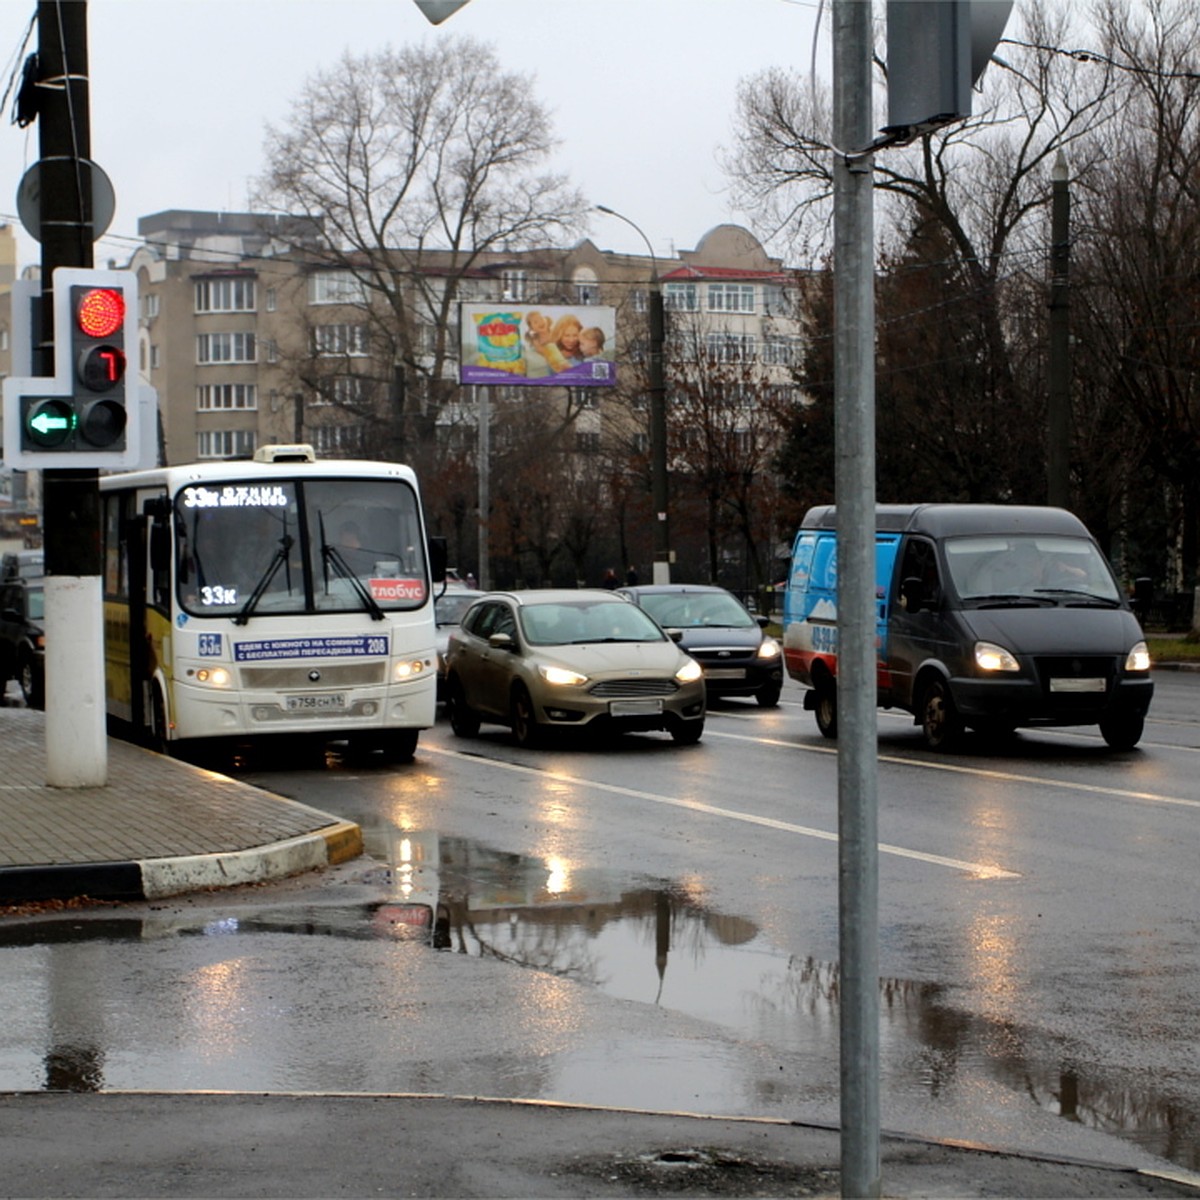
(565, 624)
(1030, 566)
(696, 610)
(452, 607)
(36, 610)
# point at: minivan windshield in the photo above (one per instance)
(1040, 568)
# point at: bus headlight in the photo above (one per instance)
(214, 677)
(407, 669)
(990, 657)
(1138, 658)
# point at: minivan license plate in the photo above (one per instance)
(1077, 685)
(329, 701)
(634, 708)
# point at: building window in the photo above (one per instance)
(155, 358)
(774, 300)
(729, 347)
(513, 284)
(681, 297)
(331, 441)
(271, 348)
(339, 340)
(641, 443)
(780, 351)
(271, 299)
(587, 289)
(731, 297)
(640, 299)
(587, 442)
(347, 391)
(149, 306)
(224, 295)
(336, 287)
(225, 348)
(213, 396)
(226, 443)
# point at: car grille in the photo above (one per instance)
(1070, 666)
(610, 689)
(722, 655)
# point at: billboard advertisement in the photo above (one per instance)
(538, 345)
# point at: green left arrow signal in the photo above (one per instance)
(49, 421)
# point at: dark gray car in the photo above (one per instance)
(738, 656)
(22, 640)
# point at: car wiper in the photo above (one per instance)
(277, 560)
(1104, 601)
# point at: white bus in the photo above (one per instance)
(272, 598)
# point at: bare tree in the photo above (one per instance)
(420, 162)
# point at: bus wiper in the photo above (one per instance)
(331, 554)
(277, 560)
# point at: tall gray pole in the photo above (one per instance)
(1058, 415)
(659, 496)
(484, 462)
(854, 402)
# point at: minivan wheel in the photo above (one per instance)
(825, 709)
(525, 729)
(1124, 731)
(940, 722)
(768, 695)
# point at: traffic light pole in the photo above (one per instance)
(76, 742)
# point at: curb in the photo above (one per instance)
(156, 878)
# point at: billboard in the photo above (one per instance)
(538, 345)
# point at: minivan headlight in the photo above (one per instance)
(689, 672)
(768, 648)
(1138, 658)
(990, 657)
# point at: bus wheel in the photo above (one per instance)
(158, 740)
(400, 745)
(940, 722)
(825, 709)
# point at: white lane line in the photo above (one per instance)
(978, 870)
(976, 772)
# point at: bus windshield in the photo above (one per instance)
(295, 546)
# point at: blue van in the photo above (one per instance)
(989, 617)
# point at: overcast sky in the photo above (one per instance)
(641, 92)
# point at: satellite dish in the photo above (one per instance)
(29, 195)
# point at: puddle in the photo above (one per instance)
(657, 943)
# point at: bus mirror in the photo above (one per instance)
(160, 546)
(913, 594)
(437, 559)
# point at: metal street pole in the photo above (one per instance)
(76, 736)
(658, 411)
(1058, 416)
(854, 479)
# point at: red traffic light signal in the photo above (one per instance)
(100, 312)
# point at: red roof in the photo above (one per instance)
(721, 273)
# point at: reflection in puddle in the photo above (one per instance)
(649, 943)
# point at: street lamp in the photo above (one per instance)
(658, 411)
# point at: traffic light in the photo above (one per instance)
(87, 414)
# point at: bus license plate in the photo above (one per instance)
(328, 702)
(634, 708)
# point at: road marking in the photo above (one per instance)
(977, 772)
(978, 870)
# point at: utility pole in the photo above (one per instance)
(854, 478)
(76, 740)
(1058, 399)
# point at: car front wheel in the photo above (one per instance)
(687, 733)
(33, 683)
(526, 731)
(463, 719)
(940, 722)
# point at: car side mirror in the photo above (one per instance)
(502, 641)
(912, 592)
(763, 620)
(676, 635)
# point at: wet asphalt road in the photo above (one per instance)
(652, 925)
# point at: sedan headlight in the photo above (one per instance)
(1138, 658)
(990, 657)
(769, 648)
(561, 677)
(689, 672)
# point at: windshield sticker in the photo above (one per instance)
(392, 590)
(315, 647)
(236, 496)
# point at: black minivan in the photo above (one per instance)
(990, 617)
